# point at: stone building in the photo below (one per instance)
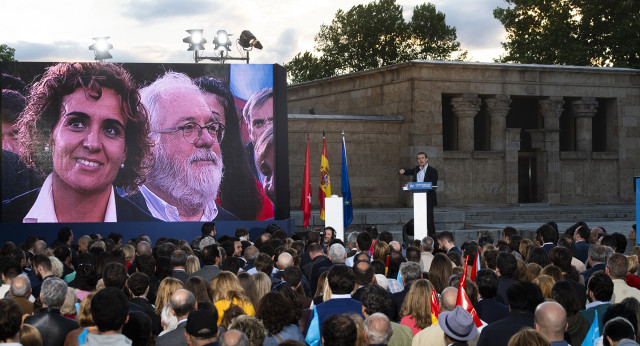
(499, 134)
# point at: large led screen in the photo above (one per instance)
(103, 142)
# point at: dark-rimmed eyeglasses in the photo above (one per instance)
(192, 131)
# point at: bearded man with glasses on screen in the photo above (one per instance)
(184, 180)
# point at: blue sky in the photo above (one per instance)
(152, 31)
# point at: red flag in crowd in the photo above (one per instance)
(476, 267)
(305, 203)
(435, 307)
(463, 300)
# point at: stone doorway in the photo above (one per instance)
(527, 178)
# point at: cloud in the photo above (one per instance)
(56, 51)
(144, 11)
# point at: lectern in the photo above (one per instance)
(419, 190)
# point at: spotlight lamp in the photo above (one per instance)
(248, 40)
(222, 41)
(195, 40)
(101, 48)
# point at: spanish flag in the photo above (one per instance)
(324, 189)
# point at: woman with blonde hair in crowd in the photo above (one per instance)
(380, 251)
(193, 264)
(227, 291)
(262, 284)
(416, 307)
(440, 272)
(631, 278)
(167, 286)
(68, 308)
(78, 336)
(318, 297)
(532, 271)
(129, 254)
(248, 284)
(528, 337)
(524, 249)
(545, 282)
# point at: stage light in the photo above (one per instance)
(222, 41)
(248, 40)
(101, 48)
(196, 40)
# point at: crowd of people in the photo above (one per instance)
(319, 290)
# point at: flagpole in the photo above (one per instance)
(305, 201)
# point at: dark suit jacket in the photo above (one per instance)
(498, 333)
(587, 273)
(490, 310)
(581, 291)
(396, 303)
(15, 209)
(149, 311)
(311, 270)
(207, 272)
(503, 285)
(175, 337)
(547, 247)
(582, 250)
(590, 313)
(138, 199)
(180, 275)
(431, 175)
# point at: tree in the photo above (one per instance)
(373, 35)
(572, 32)
(6, 53)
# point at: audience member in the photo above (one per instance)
(339, 330)
(50, 323)
(182, 303)
(599, 292)
(564, 293)
(201, 328)
(109, 311)
(551, 320)
(11, 322)
(251, 327)
(488, 308)
(458, 326)
(523, 299)
(617, 268)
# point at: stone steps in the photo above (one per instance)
(466, 222)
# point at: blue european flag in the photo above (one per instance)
(345, 189)
(313, 334)
(593, 334)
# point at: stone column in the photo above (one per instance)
(498, 108)
(465, 107)
(511, 165)
(584, 110)
(551, 110)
